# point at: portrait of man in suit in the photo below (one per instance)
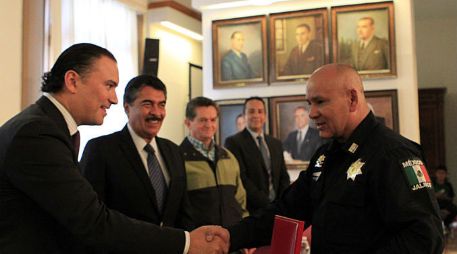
(239, 51)
(302, 142)
(364, 37)
(369, 52)
(306, 56)
(127, 175)
(260, 157)
(235, 64)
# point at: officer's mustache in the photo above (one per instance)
(154, 118)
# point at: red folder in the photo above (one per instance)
(287, 235)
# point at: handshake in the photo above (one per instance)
(209, 239)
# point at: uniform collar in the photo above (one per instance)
(358, 137)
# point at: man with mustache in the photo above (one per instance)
(121, 168)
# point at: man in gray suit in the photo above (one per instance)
(369, 52)
(235, 65)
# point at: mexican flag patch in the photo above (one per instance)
(417, 174)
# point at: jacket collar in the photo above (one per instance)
(360, 135)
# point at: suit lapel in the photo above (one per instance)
(369, 48)
(251, 145)
(131, 153)
(52, 112)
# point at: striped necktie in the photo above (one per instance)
(267, 161)
(156, 177)
(299, 142)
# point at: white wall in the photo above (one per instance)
(11, 58)
(405, 83)
(175, 54)
(436, 38)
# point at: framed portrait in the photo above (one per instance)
(299, 43)
(364, 37)
(290, 123)
(195, 80)
(232, 120)
(239, 52)
(384, 105)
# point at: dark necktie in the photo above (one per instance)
(76, 141)
(299, 142)
(156, 177)
(267, 161)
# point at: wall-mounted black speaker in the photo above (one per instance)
(151, 57)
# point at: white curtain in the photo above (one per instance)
(111, 25)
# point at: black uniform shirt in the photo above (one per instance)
(371, 194)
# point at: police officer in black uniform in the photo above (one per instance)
(367, 191)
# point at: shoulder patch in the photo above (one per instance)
(320, 161)
(417, 174)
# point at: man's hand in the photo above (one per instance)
(209, 239)
(249, 251)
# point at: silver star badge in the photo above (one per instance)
(355, 169)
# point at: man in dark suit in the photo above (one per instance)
(306, 56)
(235, 65)
(304, 141)
(262, 166)
(369, 52)
(117, 164)
(46, 204)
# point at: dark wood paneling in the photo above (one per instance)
(431, 118)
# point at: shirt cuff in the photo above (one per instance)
(187, 245)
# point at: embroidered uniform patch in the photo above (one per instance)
(417, 174)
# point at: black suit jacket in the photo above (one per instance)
(114, 168)
(306, 62)
(253, 170)
(311, 142)
(47, 206)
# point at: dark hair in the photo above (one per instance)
(441, 167)
(305, 26)
(138, 82)
(368, 18)
(251, 99)
(235, 33)
(199, 102)
(301, 107)
(78, 58)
